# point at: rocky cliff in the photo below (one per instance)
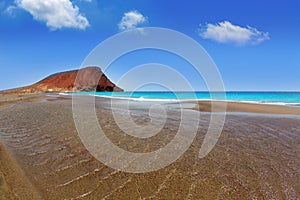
(86, 79)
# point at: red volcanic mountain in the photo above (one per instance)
(86, 79)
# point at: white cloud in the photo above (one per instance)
(10, 10)
(226, 32)
(131, 20)
(56, 14)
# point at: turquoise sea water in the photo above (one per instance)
(280, 98)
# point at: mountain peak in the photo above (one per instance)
(85, 79)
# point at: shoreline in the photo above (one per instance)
(149, 99)
(7, 100)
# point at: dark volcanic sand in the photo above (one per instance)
(256, 157)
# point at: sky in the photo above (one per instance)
(255, 44)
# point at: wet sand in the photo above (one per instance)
(256, 157)
(14, 184)
(205, 106)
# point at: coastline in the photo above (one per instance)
(7, 100)
(265, 98)
(233, 106)
(59, 166)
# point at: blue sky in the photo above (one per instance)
(254, 43)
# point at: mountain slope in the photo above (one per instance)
(85, 79)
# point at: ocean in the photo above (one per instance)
(276, 98)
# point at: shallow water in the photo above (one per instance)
(276, 98)
(256, 157)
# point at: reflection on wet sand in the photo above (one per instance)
(257, 156)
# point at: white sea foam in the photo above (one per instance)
(65, 94)
(141, 98)
(144, 99)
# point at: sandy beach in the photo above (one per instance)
(42, 156)
(205, 106)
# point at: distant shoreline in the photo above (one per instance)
(7, 100)
(266, 98)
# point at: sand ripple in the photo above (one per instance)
(257, 157)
